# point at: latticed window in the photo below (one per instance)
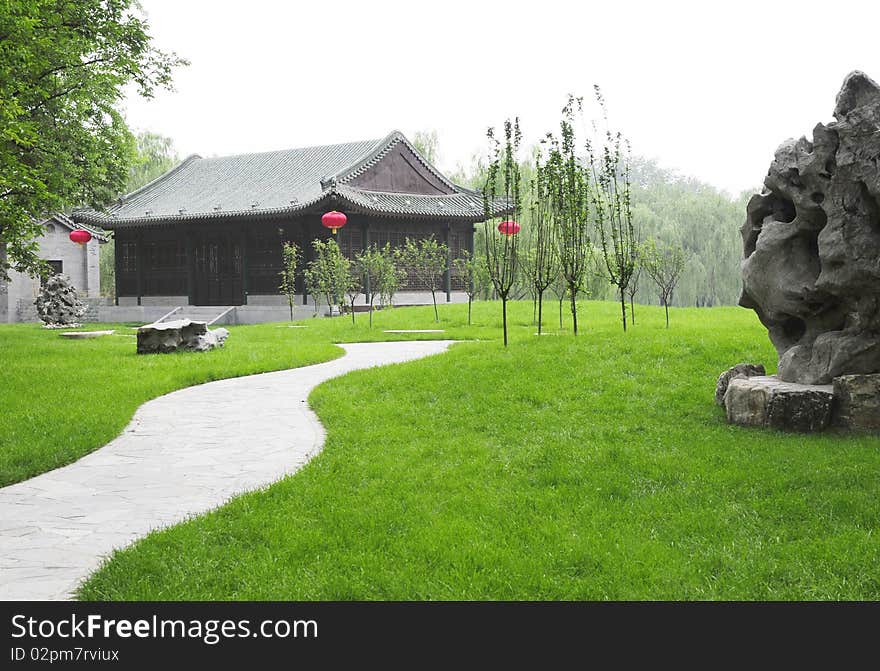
(128, 257)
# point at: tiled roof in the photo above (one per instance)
(97, 233)
(277, 183)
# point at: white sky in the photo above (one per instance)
(709, 89)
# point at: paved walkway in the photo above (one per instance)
(181, 455)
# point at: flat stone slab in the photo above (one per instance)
(182, 454)
(767, 401)
(415, 331)
(84, 335)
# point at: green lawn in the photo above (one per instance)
(61, 399)
(595, 467)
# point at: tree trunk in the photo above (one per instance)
(291, 308)
(561, 301)
(632, 311)
(352, 309)
(534, 308)
(666, 306)
(574, 312)
(371, 312)
(623, 308)
(434, 298)
(540, 310)
(470, 301)
(504, 317)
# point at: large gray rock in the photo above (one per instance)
(58, 304)
(812, 243)
(767, 401)
(857, 402)
(739, 370)
(181, 334)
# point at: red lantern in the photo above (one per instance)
(333, 220)
(508, 228)
(80, 237)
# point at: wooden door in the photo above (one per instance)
(218, 267)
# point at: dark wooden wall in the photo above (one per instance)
(219, 263)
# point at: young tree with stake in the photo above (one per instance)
(472, 270)
(611, 207)
(502, 182)
(664, 265)
(544, 265)
(328, 273)
(289, 261)
(568, 190)
(427, 259)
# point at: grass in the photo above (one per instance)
(61, 399)
(595, 467)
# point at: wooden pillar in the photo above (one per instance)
(244, 265)
(365, 244)
(116, 268)
(447, 274)
(139, 256)
(190, 267)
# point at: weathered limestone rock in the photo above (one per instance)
(185, 334)
(770, 402)
(211, 339)
(857, 402)
(739, 370)
(812, 244)
(58, 303)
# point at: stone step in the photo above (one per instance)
(767, 401)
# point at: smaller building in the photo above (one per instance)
(78, 262)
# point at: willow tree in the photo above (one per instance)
(502, 183)
(568, 198)
(544, 260)
(612, 209)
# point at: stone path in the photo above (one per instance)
(181, 455)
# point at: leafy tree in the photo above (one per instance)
(381, 275)
(502, 182)
(568, 188)
(64, 68)
(664, 264)
(427, 259)
(612, 211)
(428, 144)
(154, 156)
(390, 277)
(472, 269)
(289, 263)
(328, 274)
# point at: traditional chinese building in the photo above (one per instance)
(210, 231)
